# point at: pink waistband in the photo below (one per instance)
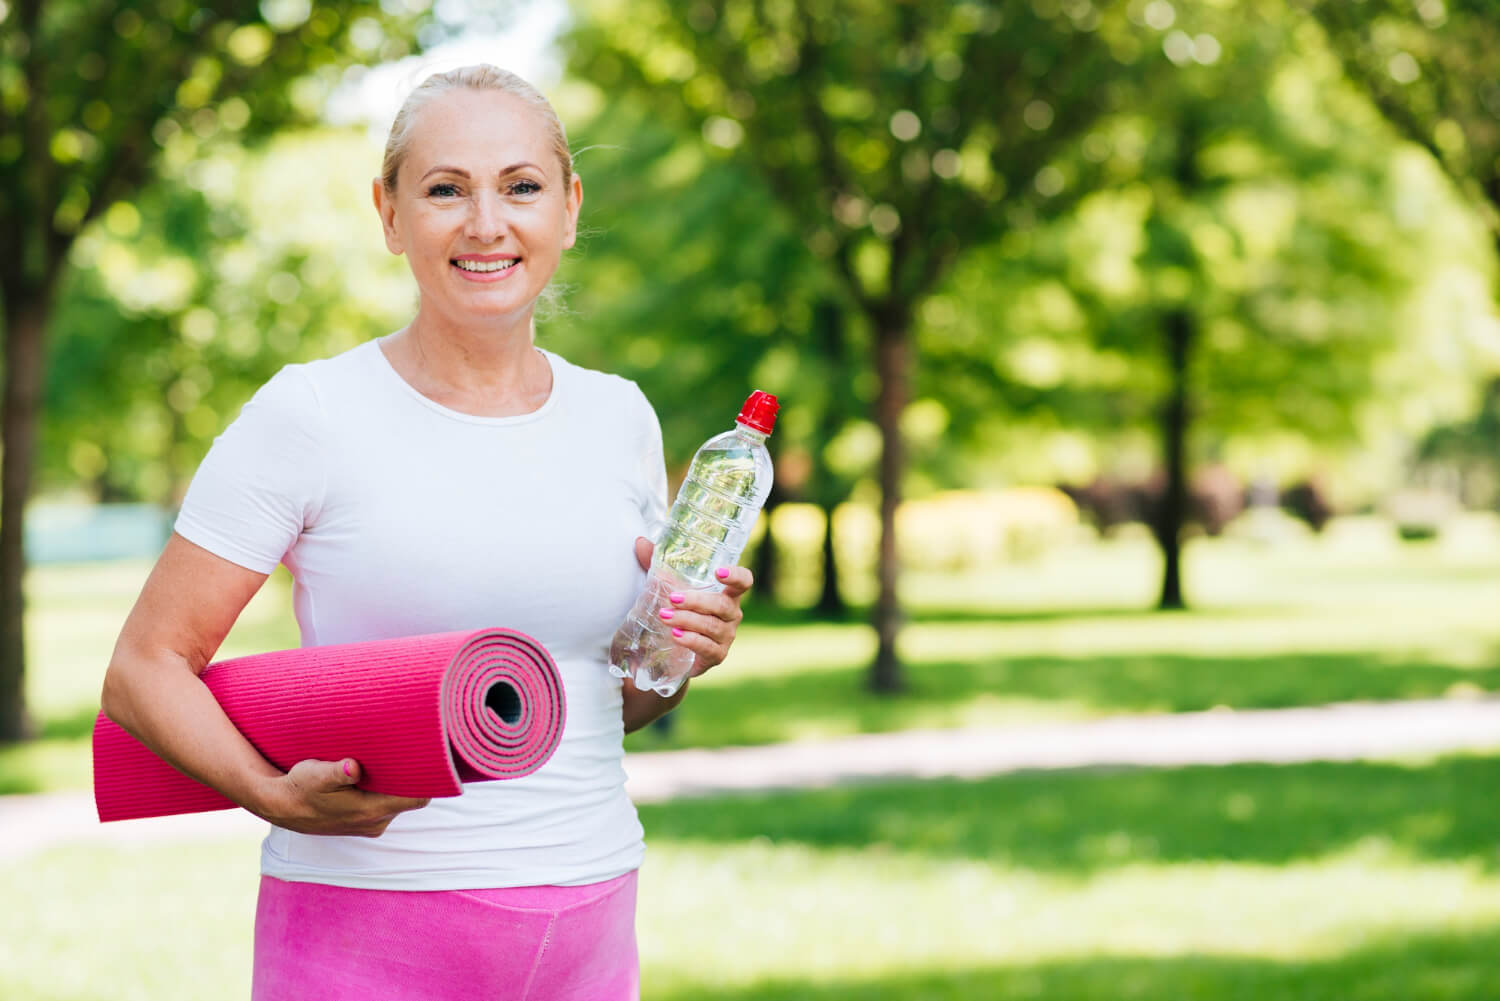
(530, 943)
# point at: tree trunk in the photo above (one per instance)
(831, 601)
(893, 363)
(1172, 512)
(25, 327)
(828, 326)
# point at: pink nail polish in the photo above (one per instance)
(348, 771)
(675, 598)
(665, 613)
(676, 631)
(722, 573)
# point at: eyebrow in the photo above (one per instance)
(444, 168)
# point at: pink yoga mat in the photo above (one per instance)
(420, 715)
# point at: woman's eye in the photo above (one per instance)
(443, 190)
(525, 188)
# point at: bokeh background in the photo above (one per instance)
(1135, 358)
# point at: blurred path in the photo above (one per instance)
(1343, 732)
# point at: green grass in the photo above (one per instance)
(1067, 638)
(1364, 881)
(1367, 881)
(1082, 822)
(1354, 615)
(1372, 881)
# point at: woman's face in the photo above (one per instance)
(480, 210)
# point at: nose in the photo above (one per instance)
(486, 223)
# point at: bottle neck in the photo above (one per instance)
(749, 432)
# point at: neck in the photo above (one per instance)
(489, 369)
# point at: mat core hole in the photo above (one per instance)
(504, 701)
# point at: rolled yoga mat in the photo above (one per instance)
(420, 714)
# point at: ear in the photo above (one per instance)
(385, 205)
(575, 202)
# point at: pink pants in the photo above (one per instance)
(536, 943)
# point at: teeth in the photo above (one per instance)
(487, 266)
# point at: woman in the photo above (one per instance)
(448, 476)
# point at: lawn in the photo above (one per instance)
(1354, 615)
(1366, 881)
(1372, 881)
(1351, 615)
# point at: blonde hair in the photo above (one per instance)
(482, 76)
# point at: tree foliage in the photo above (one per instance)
(896, 136)
(1429, 66)
(189, 296)
(92, 97)
(1266, 272)
(92, 93)
(693, 281)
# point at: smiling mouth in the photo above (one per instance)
(487, 267)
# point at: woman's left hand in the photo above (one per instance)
(704, 622)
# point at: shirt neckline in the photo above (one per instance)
(548, 405)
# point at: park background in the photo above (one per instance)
(1136, 358)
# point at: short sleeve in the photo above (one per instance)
(651, 475)
(263, 479)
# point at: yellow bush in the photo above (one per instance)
(963, 529)
(955, 530)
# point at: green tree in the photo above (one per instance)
(1467, 451)
(1259, 268)
(897, 135)
(704, 301)
(92, 95)
(1429, 66)
(192, 294)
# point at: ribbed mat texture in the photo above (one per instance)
(420, 714)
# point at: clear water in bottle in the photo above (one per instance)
(706, 529)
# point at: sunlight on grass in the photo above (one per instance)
(157, 923)
(814, 915)
(1365, 881)
(170, 922)
(1376, 881)
(765, 651)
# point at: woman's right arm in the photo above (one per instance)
(152, 689)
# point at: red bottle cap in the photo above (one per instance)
(759, 412)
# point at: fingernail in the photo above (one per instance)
(675, 598)
(722, 573)
(348, 770)
(676, 631)
(665, 613)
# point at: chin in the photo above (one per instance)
(495, 310)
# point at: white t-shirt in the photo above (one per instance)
(397, 517)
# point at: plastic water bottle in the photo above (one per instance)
(707, 528)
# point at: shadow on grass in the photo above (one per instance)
(760, 710)
(58, 758)
(16, 781)
(78, 723)
(1450, 967)
(1089, 820)
(766, 614)
(45, 765)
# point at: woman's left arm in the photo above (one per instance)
(704, 622)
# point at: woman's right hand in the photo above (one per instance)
(319, 797)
